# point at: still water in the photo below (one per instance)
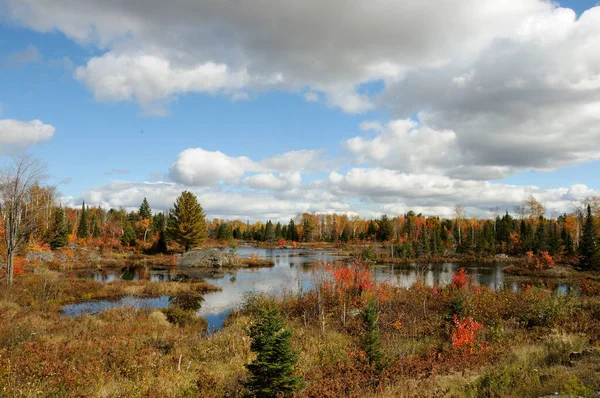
(294, 271)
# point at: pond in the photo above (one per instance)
(292, 273)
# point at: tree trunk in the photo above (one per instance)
(10, 266)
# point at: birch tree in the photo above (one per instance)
(17, 180)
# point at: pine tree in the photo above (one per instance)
(145, 211)
(273, 370)
(129, 236)
(292, 231)
(187, 225)
(370, 341)
(95, 227)
(588, 250)
(162, 244)
(270, 232)
(82, 228)
(59, 234)
(224, 232)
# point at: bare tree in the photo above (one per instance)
(18, 210)
(459, 211)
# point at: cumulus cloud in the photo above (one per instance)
(152, 79)
(475, 89)
(199, 167)
(369, 41)
(16, 134)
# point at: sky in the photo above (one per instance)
(266, 109)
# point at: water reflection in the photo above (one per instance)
(295, 271)
(95, 307)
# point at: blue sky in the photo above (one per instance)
(294, 97)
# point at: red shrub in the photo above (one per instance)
(464, 335)
(460, 279)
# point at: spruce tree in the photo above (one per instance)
(145, 211)
(129, 236)
(59, 234)
(588, 250)
(82, 228)
(186, 224)
(272, 373)
(292, 231)
(370, 341)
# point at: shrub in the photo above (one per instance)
(465, 334)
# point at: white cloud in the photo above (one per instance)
(199, 167)
(153, 79)
(272, 182)
(311, 96)
(16, 134)
(310, 160)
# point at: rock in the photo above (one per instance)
(206, 258)
(44, 257)
(501, 257)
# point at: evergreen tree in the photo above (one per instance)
(346, 234)
(186, 224)
(82, 228)
(541, 237)
(269, 232)
(59, 234)
(292, 231)
(588, 250)
(162, 244)
(272, 373)
(224, 232)
(385, 231)
(370, 341)
(145, 211)
(129, 237)
(95, 226)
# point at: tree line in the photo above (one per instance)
(31, 217)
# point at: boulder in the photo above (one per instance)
(209, 258)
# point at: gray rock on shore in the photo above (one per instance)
(209, 258)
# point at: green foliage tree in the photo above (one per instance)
(292, 231)
(129, 236)
(82, 228)
(145, 210)
(186, 224)
(272, 373)
(588, 250)
(386, 229)
(59, 233)
(370, 341)
(224, 232)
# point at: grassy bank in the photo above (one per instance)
(529, 343)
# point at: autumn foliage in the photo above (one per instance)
(465, 334)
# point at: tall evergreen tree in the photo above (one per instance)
(292, 231)
(272, 373)
(59, 233)
(270, 232)
(95, 226)
(588, 250)
(145, 210)
(371, 342)
(186, 224)
(82, 228)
